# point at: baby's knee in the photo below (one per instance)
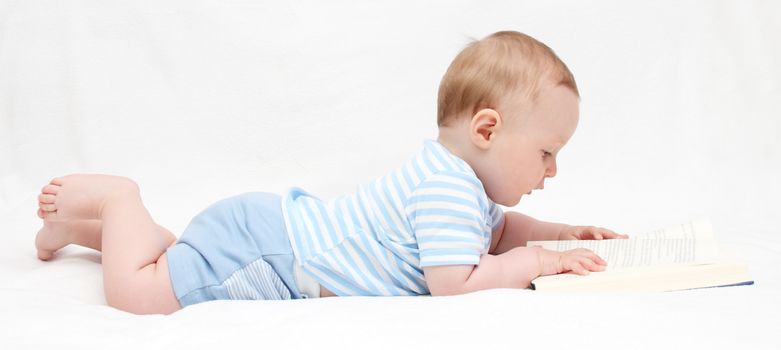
(126, 184)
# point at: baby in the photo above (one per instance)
(507, 105)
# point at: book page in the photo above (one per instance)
(696, 229)
(689, 243)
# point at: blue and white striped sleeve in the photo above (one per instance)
(448, 217)
(496, 214)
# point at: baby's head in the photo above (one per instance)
(507, 105)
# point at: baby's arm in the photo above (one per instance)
(519, 229)
(513, 269)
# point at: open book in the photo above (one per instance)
(686, 256)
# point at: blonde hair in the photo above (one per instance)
(492, 68)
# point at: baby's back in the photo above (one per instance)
(431, 211)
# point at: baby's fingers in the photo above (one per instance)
(597, 259)
(578, 268)
(608, 234)
(584, 266)
(589, 254)
(594, 265)
(580, 263)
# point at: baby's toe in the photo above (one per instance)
(48, 215)
(50, 189)
(45, 255)
(46, 198)
(47, 207)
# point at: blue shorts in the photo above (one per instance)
(237, 248)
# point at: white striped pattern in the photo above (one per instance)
(432, 211)
(256, 281)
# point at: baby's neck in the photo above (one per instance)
(456, 140)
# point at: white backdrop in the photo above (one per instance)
(198, 100)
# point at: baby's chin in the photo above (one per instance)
(510, 202)
(519, 199)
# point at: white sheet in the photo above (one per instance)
(198, 100)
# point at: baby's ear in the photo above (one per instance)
(483, 126)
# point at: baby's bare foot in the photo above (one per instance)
(57, 234)
(80, 196)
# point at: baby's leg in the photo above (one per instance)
(54, 235)
(135, 269)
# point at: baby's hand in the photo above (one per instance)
(588, 232)
(580, 261)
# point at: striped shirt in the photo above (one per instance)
(432, 211)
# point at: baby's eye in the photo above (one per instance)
(546, 154)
